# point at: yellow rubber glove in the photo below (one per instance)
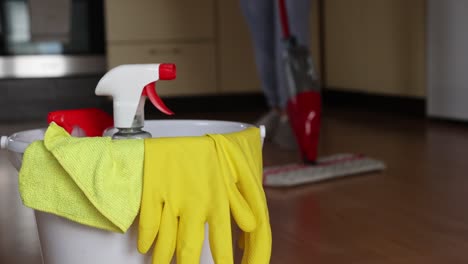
(240, 155)
(183, 188)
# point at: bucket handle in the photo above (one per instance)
(3, 142)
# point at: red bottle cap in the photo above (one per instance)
(167, 71)
(93, 121)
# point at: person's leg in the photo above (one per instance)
(259, 15)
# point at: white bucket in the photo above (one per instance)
(64, 241)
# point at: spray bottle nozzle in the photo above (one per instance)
(127, 83)
(167, 71)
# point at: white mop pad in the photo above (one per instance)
(330, 167)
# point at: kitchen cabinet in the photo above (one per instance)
(159, 20)
(195, 64)
(371, 46)
(237, 70)
(207, 39)
(156, 31)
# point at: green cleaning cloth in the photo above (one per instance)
(93, 181)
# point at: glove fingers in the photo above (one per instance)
(166, 240)
(241, 210)
(257, 243)
(251, 188)
(148, 226)
(221, 237)
(256, 250)
(190, 238)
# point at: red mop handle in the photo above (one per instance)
(283, 12)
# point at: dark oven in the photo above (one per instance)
(51, 38)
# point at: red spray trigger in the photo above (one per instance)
(150, 92)
(167, 71)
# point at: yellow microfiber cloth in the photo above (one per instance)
(101, 176)
(45, 186)
(191, 180)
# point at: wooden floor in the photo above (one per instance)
(414, 212)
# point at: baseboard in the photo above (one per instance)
(255, 102)
(251, 102)
(373, 102)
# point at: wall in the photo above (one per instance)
(375, 46)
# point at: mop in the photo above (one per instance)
(304, 112)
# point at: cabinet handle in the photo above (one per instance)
(171, 51)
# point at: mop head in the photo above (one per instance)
(327, 168)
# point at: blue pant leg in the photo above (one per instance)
(259, 15)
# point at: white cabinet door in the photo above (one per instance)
(447, 61)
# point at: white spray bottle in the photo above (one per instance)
(130, 85)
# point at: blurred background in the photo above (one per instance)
(51, 56)
(395, 87)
